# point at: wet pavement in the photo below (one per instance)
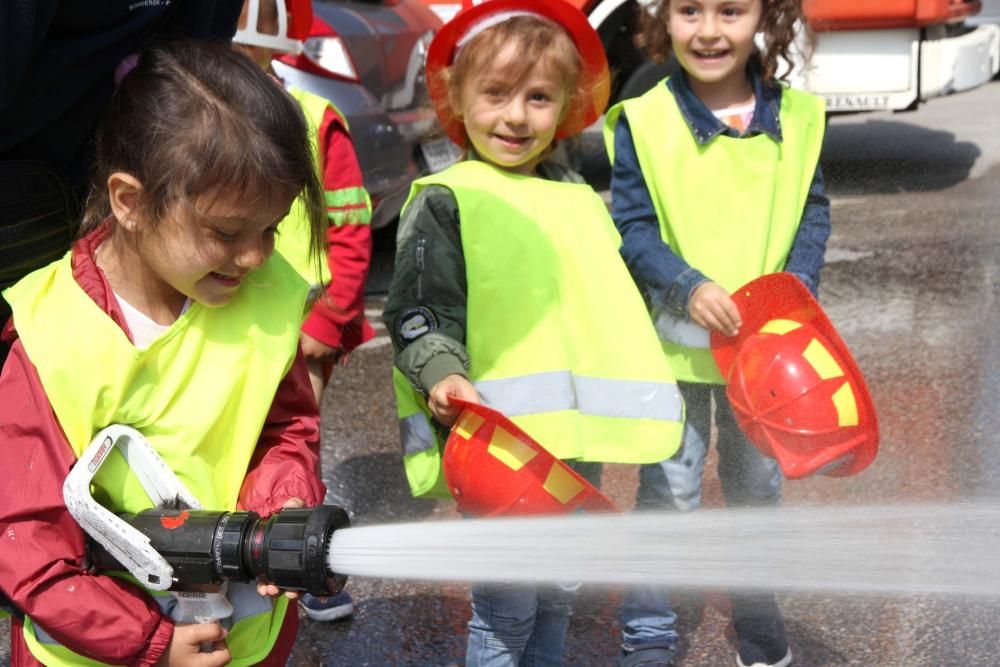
(912, 283)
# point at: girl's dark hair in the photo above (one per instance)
(197, 118)
(777, 23)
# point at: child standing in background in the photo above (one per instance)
(508, 287)
(184, 325)
(715, 181)
(336, 322)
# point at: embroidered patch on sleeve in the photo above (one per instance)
(414, 323)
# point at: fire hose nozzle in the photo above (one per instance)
(202, 547)
(178, 544)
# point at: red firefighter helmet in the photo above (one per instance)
(493, 468)
(595, 80)
(795, 390)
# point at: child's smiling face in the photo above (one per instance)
(201, 250)
(511, 124)
(208, 248)
(714, 39)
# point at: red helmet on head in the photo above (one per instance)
(493, 468)
(595, 83)
(794, 388)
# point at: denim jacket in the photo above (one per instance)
(663, 276)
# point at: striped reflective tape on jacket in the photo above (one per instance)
(681, 331)
(348, 206)
(555, 391)
(416, 433)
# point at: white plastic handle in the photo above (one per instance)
(130, 547)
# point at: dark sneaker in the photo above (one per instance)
(649, 656)
(751, 654)
(336, 606)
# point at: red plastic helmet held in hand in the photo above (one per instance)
(794, 388)
(493, 468)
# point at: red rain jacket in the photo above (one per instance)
(42, 551)
(339, 320)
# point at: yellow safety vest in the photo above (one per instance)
(558, 336)
(345, 206)
(200, 394)
(729, 208)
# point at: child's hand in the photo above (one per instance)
(313, 349)
(438, 400)
(185, 646)
(711, 307)
(268, 590)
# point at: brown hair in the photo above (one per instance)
(196, 118)
(777, 22)
(538, 41)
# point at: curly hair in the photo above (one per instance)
(777, 23)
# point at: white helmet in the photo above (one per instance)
(294, 21)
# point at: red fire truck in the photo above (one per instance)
(869, 55)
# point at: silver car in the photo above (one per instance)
(367, 58)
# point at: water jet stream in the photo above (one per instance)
(871, 549)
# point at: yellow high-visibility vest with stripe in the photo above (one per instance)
(730, 208)
(557, 334)
(350, 206)
(200, 394)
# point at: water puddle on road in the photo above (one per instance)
(886, 549)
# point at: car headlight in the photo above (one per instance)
(330, 53)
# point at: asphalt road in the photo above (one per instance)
(912, 284)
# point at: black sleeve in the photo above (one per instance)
(23, 26)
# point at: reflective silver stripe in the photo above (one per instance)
(600, 397)
(416, 434)
(42, 636)
(247, 601)
(243, 596)
(681, 331)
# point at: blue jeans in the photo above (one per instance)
(748, 479)
(523, 625)
(518, 625)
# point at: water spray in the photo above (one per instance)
(899, 549)
(903, 549)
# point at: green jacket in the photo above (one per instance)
(429, 288)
